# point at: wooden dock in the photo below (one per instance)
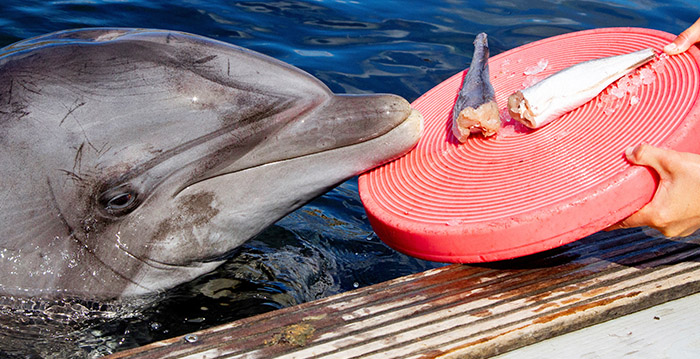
(463, 311)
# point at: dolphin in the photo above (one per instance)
(133, 160)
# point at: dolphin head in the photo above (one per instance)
(134, 160)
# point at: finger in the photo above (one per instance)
(660, 159)
(663, 161)
(638, 219)
(683, 41)
(615, 226)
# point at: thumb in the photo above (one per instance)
(650, 156)
(686, 39)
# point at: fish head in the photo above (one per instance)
(135, 160)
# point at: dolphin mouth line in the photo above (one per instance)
(414, 115)
(150, 261)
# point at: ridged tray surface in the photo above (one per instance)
(526, 191)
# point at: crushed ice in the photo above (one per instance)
(531, 80)
(536, 69)
(626, 89)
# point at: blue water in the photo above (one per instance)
(327, 247)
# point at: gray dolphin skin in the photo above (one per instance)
(133, 160)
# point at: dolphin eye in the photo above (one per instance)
(118, 201)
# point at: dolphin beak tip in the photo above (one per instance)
(421, 125)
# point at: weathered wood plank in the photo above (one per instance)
(461, 310)
(668, 330)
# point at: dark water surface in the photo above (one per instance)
(327, 247)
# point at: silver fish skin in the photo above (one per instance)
(572, 87)
(475, 109)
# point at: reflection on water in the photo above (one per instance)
(403, 47)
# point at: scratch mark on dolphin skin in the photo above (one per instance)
(19, 113)
(78, 160)
(54, 201)
(105, 148)
(9, 98)
(72, 175)
(24, 86)
(204, 60)
(76, 106)
(228, 70)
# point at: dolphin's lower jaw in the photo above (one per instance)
(406, 135)
(156, 277)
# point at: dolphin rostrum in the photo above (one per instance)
(133, 160)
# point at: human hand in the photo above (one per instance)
(675, 209)
(683, 41)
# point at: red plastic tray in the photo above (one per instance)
(526, 191)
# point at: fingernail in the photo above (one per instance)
(670, 48)
(629, 153)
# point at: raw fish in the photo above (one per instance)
(572, 87)
(475, 109)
